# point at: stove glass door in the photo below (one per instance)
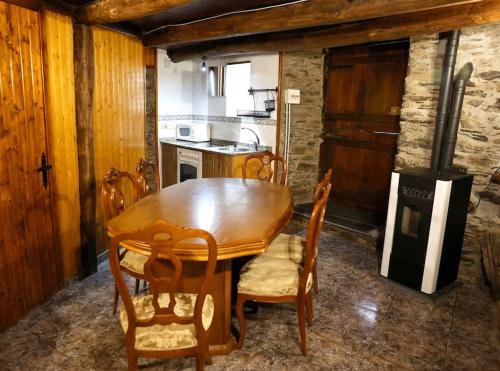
(187, 171)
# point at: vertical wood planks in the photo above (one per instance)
(119, 110)
(30, 268)
(57, 35)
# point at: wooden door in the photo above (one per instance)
(30, 268)
(363, 91)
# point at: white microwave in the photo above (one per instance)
(193, 132)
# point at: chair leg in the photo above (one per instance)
(302, 326)
(132, 361)
(240, 313)
(200, 361)
(115, 300)
(137, 282)
(208, 358)
(144, 283)
(315, 277)
(309, 309)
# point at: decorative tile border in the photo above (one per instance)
(234, 120)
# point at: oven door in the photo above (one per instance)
(189, 165)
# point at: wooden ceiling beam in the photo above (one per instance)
(110, 11)
(313, 13)
(380, 29)
(53, 5)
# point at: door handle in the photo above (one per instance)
(385, 133)
(44, 169)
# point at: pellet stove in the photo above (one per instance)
(427, 209)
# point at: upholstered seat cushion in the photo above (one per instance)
(173, 336)
(134, 261)
(269, 276)
(287, 246)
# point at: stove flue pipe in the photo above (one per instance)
(445, 93)
(450, 140)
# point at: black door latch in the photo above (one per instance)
(44, 170)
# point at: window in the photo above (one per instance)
(237, 84)
(410, 224)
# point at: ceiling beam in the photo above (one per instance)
(53, 5)
(312, 13)
(110, 11)
(380, 29)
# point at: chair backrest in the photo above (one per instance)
(113, 199)
(312, 237)
(142, 171)
(320, 188)
(163, 272)
(265, 170)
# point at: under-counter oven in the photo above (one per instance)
(189, 164)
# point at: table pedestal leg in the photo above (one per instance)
(219, 338)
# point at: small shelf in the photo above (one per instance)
(250, 113)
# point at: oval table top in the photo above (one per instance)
(243, 215)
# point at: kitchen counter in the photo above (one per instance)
(222, 147)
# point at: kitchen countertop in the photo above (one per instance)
(222, 147)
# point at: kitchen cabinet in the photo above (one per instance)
(168, 165)
(214, 165)
(217, 165)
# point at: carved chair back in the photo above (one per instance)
(163, 272)
(312, 237)
(142, 171)
(112, 194)
(265, 170)
(320, 188)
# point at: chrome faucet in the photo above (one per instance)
(257, 143)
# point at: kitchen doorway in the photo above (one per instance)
(363, 91)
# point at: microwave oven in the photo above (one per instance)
(193, 132)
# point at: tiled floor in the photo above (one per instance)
(362, 322)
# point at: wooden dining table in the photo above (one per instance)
(243, 215)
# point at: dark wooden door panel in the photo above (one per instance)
(364, 87)
(30, 267)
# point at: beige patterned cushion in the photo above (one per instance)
(287, 246)
(173, 336)
(270, 276)
(134, 261)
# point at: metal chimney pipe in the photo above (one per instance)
(450, 140)
(450, 58)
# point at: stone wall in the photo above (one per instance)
(303, 71)
(151, 139)
(478, 145)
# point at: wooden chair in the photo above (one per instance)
(142, 170)
(169, 322)
(274, 280)
(113, 201)
(265, 170)
(287, 246)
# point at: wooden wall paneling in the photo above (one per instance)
(119, 111)
(30, 267)
(84, 103)
(57, 35)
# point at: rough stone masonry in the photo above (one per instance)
(478, 146)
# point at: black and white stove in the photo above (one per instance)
(428, 207)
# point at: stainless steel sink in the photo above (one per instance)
(234, 149)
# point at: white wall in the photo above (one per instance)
(264, 75)
(175, 86)
(182, 90)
